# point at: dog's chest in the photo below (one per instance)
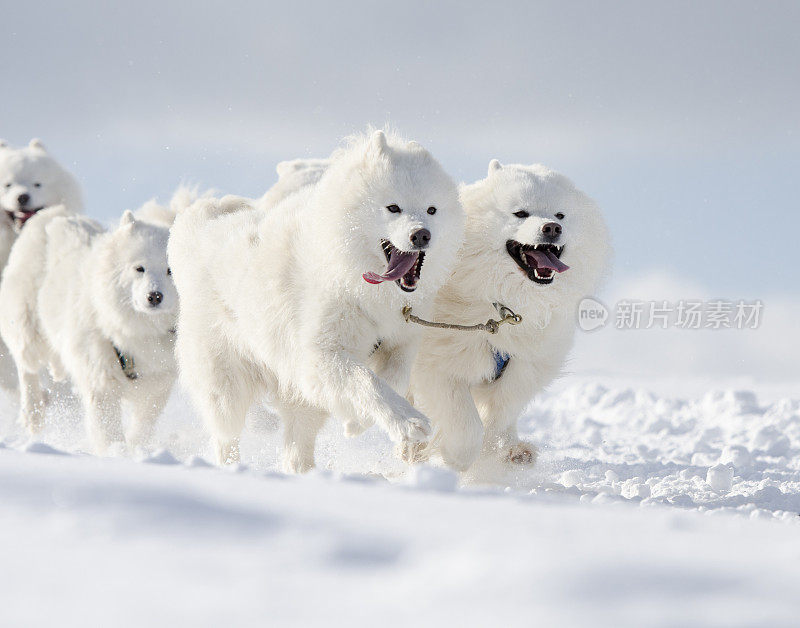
(388, 330)
(500, 360)
(510, 345)
(147, 358)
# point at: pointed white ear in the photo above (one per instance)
(379, 141)
(37, 143)
(494, 166)
(414, 145)
(127, 218)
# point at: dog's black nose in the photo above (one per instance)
(23, 199)
(551, 230)
(155, 298)
(421, 238)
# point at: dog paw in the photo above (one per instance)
(521, 453)
(411, 428)
(412, 452)
(226, 451)
(297, 465)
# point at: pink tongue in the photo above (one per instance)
(399, 264)
(547, 259)
(23, 215)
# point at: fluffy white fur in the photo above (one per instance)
(33, 173)
(158, 214)
(274, 302)
(31, 179)
(451, 379)
(98, 291)
(8, 234)
(293, 176)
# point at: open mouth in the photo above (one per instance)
(403, 267)
(21, 216)
(540, 262)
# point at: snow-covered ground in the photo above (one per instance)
(643, 510)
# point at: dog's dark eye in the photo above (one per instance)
(521, 214)
(8, 185)
(395, 209)
(169, 271)
(140, 269)
(560, 216)
(37, 185)
(431, 210)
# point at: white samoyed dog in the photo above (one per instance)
(279, 302)
(103, 314)
(30, 180)
(537, 245)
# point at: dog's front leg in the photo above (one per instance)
(31, 402)
(301, 424)
(347, 387)
(147, 405)
(393, 365)
(456, 420)
(336, 379)
(99, 387)
(103, 419)
(500, 404)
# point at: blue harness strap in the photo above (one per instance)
(500, 363)
(126, 363)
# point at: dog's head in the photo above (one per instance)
(397, 213)
(30, 180)
(543, 232)
(135, 254)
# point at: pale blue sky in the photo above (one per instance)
(681, 119)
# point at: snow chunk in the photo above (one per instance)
(720, 478)
(571, 478)
(41, 448)
(635, 488)
(736, 455)
(433, 478)
(162, 456)
(198, 462)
